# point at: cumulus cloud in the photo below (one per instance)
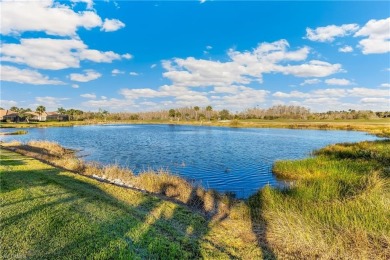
(247, 66)
(385, 85)
(338, 82)
(133, 73)
(88, 95)
(45, 16)
(75, 86)
(111, 25)
(378, 36)
(313, 68)
(88, 76)
(53, 54)
(330, 32)
(26, 76)
(50, 103)
(310, 82)
(346, 48)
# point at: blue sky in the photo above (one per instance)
(141, 56)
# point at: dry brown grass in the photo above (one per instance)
(159, 182)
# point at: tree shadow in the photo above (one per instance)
(154, 228)
(259, 224)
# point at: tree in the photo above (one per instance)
(172, 113)
(23, 114)
(224, 114)
(178, 115)
(209, 109)
(102, 113)
(15, 109)
(40, 110)
(196, 108)
(61, 110)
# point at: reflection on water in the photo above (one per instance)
(225, 159)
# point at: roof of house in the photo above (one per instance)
(4, 113)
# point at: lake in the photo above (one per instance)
(226, 159)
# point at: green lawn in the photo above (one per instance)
(51, 213)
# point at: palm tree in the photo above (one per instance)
(40, 110)
(196, 108)
(209, 109)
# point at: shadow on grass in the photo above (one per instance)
(259, 224)
(109, 227)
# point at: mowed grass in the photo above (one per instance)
(47, 212)
(338, 205)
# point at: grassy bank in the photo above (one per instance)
(338, 206)
(47, 212)
(380, 127)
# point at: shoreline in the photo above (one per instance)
(380, 128)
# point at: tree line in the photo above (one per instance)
(208, 113)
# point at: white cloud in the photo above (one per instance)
(346, 48)
(26, 76)
(376, 100)
(310, 82)
(209, 47)
(7, 103)
(330, 32)
(313, 68)
(127, 56)
(88, 76)
(88, 95)
(153, 66)
(111, 25)
(112, 103)
(50, 103)
(334, 92)
(133, 73)
(116, 72)
(368, 92)
(75, 86)
(245, 67)
(45, 16)
(338, 82)
(53, 54)
(202, 1)
(292, 94)
(385, 85)
(378, 33)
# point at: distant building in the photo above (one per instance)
(8, 115)
(11, 116)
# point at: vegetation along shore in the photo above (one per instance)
(293, 117)
(337, 206)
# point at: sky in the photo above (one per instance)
(142, 56)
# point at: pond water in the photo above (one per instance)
(226, 159)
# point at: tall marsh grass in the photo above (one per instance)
(338, 207)
(158, 182)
